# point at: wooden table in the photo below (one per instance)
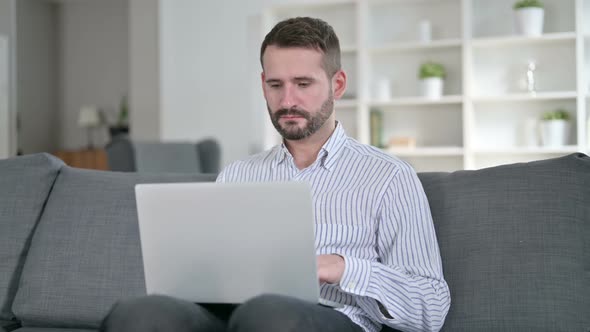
(90, 159)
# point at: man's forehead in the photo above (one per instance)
(291, 55)
(292, 62)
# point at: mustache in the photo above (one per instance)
(291, 111)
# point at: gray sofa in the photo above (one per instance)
(125, 155)
(515, 242)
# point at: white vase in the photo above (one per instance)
(383, 90)
(424, 31)
(530, 132)
(529, 21)
(431, 87)
(555, 133)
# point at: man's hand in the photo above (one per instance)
(330, 268)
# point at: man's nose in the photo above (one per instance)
(288, 97)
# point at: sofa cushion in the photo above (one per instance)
(514, 241)
(85, 254)
(25, 183)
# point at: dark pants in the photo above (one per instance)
(263, 313)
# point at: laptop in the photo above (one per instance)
(228, 242)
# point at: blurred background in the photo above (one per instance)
(77, 77)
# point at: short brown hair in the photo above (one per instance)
(306, 32)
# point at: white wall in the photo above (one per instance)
(7, 117)
(94, 62)
(144, 66)
(6, 17)
(37, 96)
(5, 150)
(210, 70)
(5, 22)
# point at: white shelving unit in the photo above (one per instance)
(486, 115)
(418, 101)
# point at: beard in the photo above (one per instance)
(291, 131)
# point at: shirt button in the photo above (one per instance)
(351, 284)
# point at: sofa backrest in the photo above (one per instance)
(125, 155)
(515, 244)
(85, 253)
(25, 183)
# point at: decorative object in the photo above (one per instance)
(376, 119)
(555, 128)
(402, 142)
(431, 76)
(529, 17)
(530, 76)
(383, 90)
(89, 118)
(121, 127)
(525, 76)
(424, 31)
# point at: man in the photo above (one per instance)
(377, 249)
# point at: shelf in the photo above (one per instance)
(419, 101)
(450, 151)
(312, 6)
(487, 116)
(346, 103)
(528, 150)
(397, 2)
(520, 40)
(416, 46)
(408, 2)
(348, 49)
(527, 97)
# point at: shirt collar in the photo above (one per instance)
(333, 146)
(328, 153)
(281, 154)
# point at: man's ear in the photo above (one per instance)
(339, 84)
(262, 78)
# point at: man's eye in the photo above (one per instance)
(275, 86)
(303, 84)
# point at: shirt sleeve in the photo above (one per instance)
(221, 176)
(405, 288)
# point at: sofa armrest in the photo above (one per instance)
(9, 325)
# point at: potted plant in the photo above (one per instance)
(529, 17)
(555, 128)
(121, 126)
(431, 76)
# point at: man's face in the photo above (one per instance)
(298, 93)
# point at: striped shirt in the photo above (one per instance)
(371, 209)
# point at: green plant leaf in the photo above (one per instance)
(558, 114)
(431, 69)
(528, 4)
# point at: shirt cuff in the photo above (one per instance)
(357, 275)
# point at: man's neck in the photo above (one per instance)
(305, 151)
